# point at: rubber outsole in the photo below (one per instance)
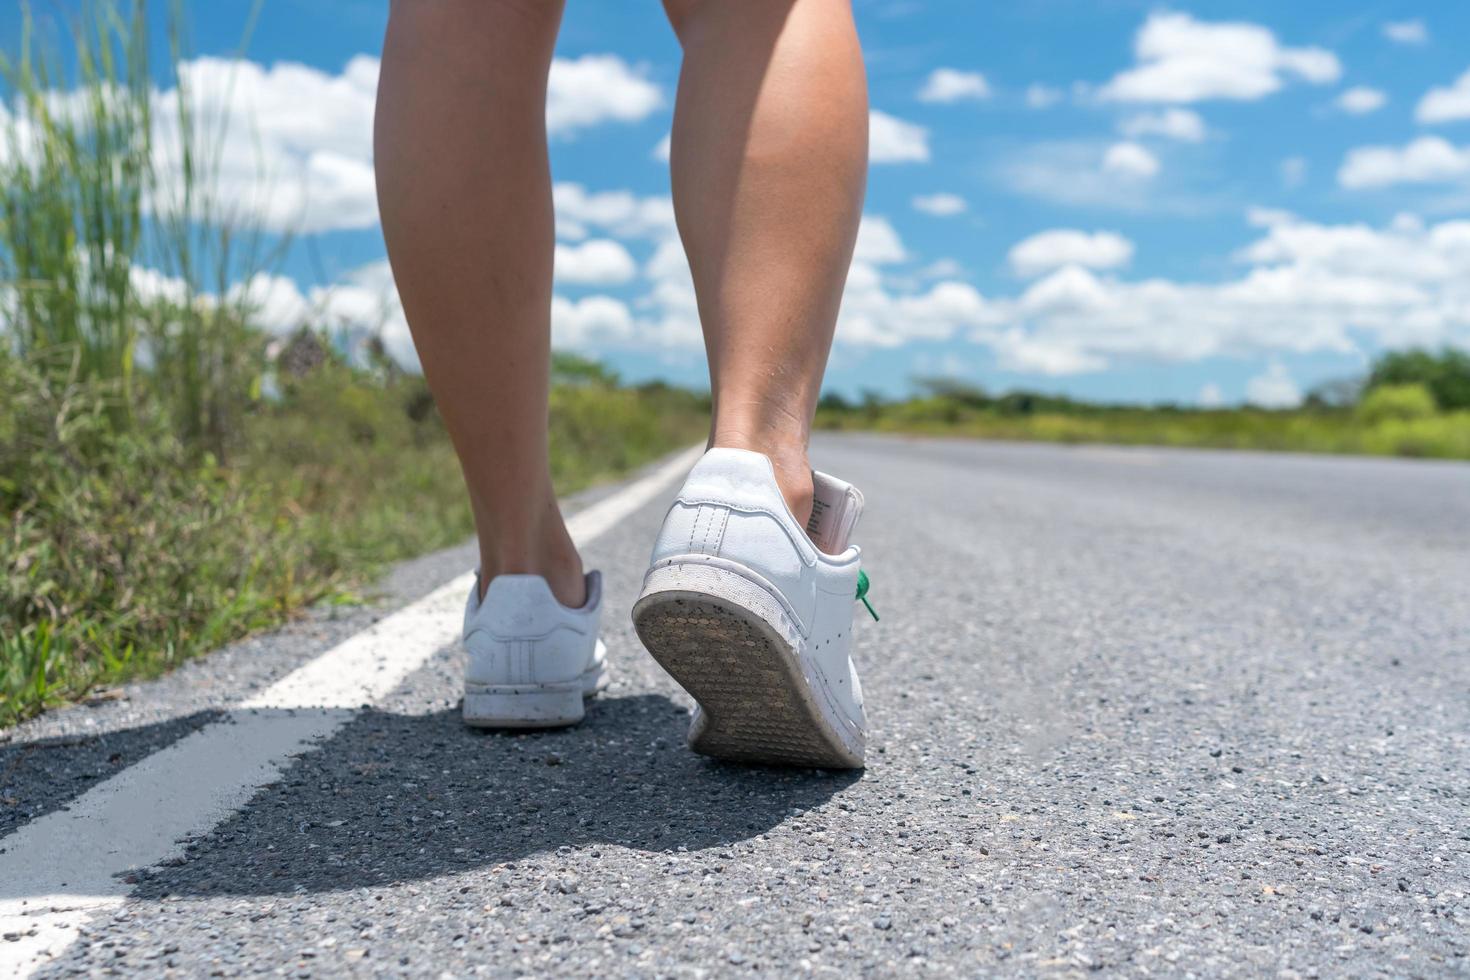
(756, 703)
(531, 705)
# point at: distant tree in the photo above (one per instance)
(1335, 393)
(1446, 374)
(831, 401)
(873, 401)
(955, 389)
(574, 369)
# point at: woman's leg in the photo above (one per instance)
(769, 160)
(465, 194)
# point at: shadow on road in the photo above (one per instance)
(394, 798)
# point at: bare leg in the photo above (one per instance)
(465, 193)
(769, 160)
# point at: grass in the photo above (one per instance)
(127, 552)
(1390, 420)
(168, 484)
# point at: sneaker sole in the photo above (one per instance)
(729, 644)
(531, 705)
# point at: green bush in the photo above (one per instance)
(1437, 437)
(1446, 374)
(1396, 402)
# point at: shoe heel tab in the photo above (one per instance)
(724, 462)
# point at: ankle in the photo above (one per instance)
(789, 460)
(553, 557)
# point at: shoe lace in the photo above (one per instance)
(862, 594)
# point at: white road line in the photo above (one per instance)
(60, 869)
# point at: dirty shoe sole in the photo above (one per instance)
(531, 705)
(731, 645)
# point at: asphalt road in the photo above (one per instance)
(1133, 711)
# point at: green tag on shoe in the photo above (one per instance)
(862, 593)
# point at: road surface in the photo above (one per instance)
(1134, 711)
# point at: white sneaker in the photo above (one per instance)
(532, 660)
(752, 615)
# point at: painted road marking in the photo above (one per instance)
(62, 868)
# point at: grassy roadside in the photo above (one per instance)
(1412, 404)
(125, 554)
(172, 476)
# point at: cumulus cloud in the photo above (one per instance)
(952, 85)
(1130, 160)
(1210, 396)
(1406, 32)
(1273, 388)
(594, 89)
(1060, 247)
(1426, 160)
(1119, 176)
(599, 262)
(941, 205)
(292, 144)
(1361, 100)
(878, 242)
(1176, 124)
(594, 321)
(620, 213)
(1307, 288)
(1040, 96)
(1304, 288)
(892, 140)
(1181, 59)
(1445, 104)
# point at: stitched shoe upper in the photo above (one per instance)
(521, 634)
(730, 513)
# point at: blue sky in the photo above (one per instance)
(1113, 199)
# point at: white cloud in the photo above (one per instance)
(1426, 160)
(1185, 60)
(1305, 288)
(1130, 160)
(599, 262)
(1040, 96)
(620, 213)
(1210, 396)
(892, 140)
(594, 89)
(941, 205)
(662, 150)
(1294, 171)
(1060, 247)
(952, 85)
(1259, 217)
(1082, 173)
(878, 243)
(1177, 124)
(1361, 100)
(1445, 104)
(596, 321)
(1273, 388)
(293, 143)
(1406, 32)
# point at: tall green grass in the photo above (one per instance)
(156, 501)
